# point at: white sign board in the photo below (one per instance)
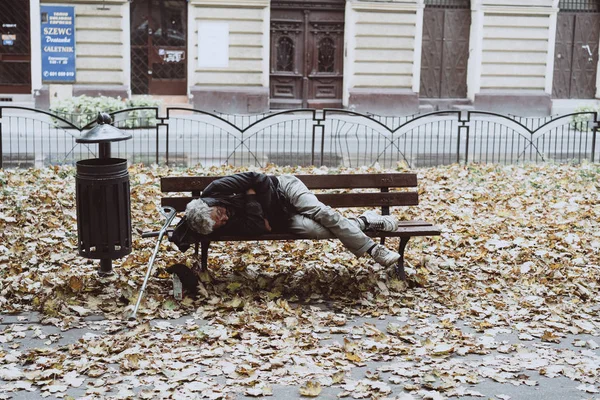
(213, 44)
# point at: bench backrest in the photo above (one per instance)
(384, 182)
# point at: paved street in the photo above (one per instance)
(522, 358)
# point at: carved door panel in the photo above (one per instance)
(15, 53)
(431, 54)
(159, 47)
(325, 61)
(287, 59)
(576, 55)
(457, 27)
(306, 55)
(563, 55)
(585, 56)
(445, 52)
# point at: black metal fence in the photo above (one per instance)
(183, 137)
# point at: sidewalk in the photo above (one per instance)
(508, 368)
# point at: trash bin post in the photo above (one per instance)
(103, 198)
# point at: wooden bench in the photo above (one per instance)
(384, 199)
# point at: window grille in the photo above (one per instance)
(15, 64)
(326, 51)
(14, 27)
(579, 5)
(285, 54)
(463, 4)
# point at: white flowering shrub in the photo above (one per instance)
(81, 110)
(583, 122)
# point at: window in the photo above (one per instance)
(285, 54)
(326, 49)
(579, 5)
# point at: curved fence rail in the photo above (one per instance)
(330, 137)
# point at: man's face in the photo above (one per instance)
(219, 215)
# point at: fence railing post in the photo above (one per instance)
(594, 135)
(322, 129)
(467, 128)
(318, 119)
(166, 125)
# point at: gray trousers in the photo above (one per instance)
(318, 221)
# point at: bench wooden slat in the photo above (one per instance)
(415, 222)
(403, 231)
(338, 200)
(374, 181)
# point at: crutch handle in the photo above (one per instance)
(167, 212)
(150, 234)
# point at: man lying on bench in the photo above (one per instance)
(252, 203)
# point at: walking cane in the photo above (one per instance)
(169, 213)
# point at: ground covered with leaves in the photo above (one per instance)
(518, 255)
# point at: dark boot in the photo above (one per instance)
(188, 279)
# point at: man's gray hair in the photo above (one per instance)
(197, 213)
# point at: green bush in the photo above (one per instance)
(138, 118)
(82, 110)
(582, 122)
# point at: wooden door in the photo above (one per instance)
(576, 55)
(445, 52)
(325, 61)
(159, 47)
(307, 44)
(15, 48)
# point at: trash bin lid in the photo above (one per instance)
(103, 132)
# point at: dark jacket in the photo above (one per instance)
(276, 208)
(246, 212)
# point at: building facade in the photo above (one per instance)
(245, 56)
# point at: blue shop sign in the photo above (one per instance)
(58, 43)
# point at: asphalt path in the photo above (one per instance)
(534, 386)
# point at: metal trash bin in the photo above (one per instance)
(103, 200)
(103, 210)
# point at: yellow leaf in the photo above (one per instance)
(148, 207)
(236, 302)
(550, 337)
(233, 286)
(353, 357)
(310, 389)
(244, 370)
(338, 377)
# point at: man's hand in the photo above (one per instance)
(267, 224)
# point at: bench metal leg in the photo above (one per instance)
(400, 273)
(385, 210)
(204, 255)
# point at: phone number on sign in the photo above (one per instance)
(59, 73)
